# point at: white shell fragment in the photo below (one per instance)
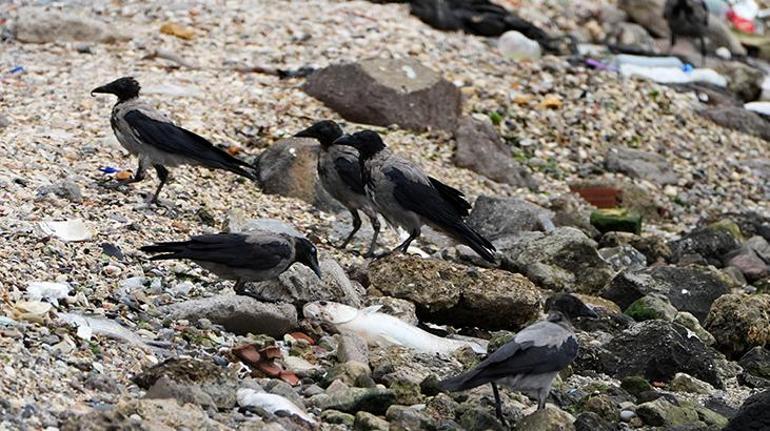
(67, 231)
(47, 291)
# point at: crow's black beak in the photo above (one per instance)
(304, 134)
(348, 140)
(589, 312)
(315, 266)
(105, 89)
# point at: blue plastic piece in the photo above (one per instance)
(687, 68)
(109, 170)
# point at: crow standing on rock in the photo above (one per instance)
(157, 141)
(340, 174)
(530, 361)
(255, 256)
(688, 18)
(408, 198)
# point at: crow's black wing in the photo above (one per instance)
(227, 249)
(175, 140)
(453, 196)
(350, 172)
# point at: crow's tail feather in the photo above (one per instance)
(474, 240)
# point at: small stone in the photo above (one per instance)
(683, 382)
(661, 413)
(338, 418)
(651, 306)
(548, 419)
(627, 415)
(365, 421)
(640, 164)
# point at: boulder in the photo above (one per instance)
(628, 34)
(647, 13)
(299, 285)
(288, 168)
(760, 246)
(365, 421)
(748, 263)
(38, 25)
(445, 292)
(739, 322)
(238, 314)
(549, 419)
(191, 381)
(683, 382)
(754, 414)
(662, 413)
(405, 418)
(652, 306)
(692, 289)
(624, 257)
(352, 400)
(756, 367)
(737, 118)
(500, 217)
(143, 414)
(656, 350)
(590, 421)
(654, 248)
(480, 149)
(562, 260)
(641, 165)
(691, 322)
(710, 242)
(382, 92)
(743, 80)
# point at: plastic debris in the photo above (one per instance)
(67, 231)
(762, 108)
(89, 326)
(516, 46)
(674, 75)
(616, 220)
(271, 403)
(109, 170)
(47, 291)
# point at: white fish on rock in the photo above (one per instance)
(381, 329)
(88, 326)
(271, 402)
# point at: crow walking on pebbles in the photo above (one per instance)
(688, 18)
(340, 174)
(530, 361)
(408, 198)
(247, 257)
(157, 142)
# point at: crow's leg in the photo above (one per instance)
(356, 227)
(542, 394)
(703, 51)
(163, 177)
(673, 42)
(498, 404)
(138, 176)
(405, 245)
(376, 226)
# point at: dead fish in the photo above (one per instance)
(89, 325)
(382, 329)
(271, 402)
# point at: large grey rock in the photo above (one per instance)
(754, 414)
(499, 217)
(760, 246)
(549, 419)
(662, 413)
(756, 368)
(743, 80)
(739, 322)
(238, 314)
(238, 221)
(710, 242)
(749, 263)
(446, 292)
(657, 350)
(631, 35)
(37, 25)
(652, 306)
(647, 13)
(351, 400)
(299, 285)
(562, 260)
(623, 257)
(289, 168)
(388, 91)
(691, 289)
(480, 149)
(640, 164)
(191, 380)
(737, 118)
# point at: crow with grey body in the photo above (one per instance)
(408, 198)
(157, 142)
(340, 174)
(688, 18)
(530, 361)
(243, 257)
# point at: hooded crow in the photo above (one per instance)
(688, 18)
(340, 174)
(157, 141)
(407, 197)
(243, 257)
(530, 361)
